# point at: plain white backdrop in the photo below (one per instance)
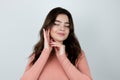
(97, 26)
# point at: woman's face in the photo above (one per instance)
(60, 30)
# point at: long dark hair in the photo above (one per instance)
(73, 48)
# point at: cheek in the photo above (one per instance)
(52, 32)
(68, 32)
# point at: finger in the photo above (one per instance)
(48, 34)
(54, 44)
(44, 33)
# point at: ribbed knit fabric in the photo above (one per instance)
(57, 68)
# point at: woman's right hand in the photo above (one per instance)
(47, 40)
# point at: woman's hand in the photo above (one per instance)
(59, 48)
(47, 40)
(49, 43)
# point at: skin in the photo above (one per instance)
(59, 32)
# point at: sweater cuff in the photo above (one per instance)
(62, 58)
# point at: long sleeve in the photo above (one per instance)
(80, 72)
(33, 72)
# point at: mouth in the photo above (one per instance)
(61, 34)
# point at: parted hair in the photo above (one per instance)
(72, 46)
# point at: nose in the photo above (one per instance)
(62, 27)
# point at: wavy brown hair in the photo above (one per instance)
(73, 48)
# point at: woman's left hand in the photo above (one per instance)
(59, 48)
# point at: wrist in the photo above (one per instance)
(61, 57)
(47, 50)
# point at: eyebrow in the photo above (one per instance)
(61, 22)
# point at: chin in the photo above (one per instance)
(59, 40)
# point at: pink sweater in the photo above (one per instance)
(53, 68)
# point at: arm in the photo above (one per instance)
(82, 71)
(33, 72)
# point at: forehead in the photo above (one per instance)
(62, 18)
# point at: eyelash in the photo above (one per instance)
(59, 24)
(56, 24)
(67, 26)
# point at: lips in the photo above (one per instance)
(61, 34)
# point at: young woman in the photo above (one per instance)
(57, 55)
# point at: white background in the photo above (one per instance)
(97, 26)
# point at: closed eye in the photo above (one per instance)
(67, 25)
(56, 24)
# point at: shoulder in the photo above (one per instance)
(31, 58)
(80, 57)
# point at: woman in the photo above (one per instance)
(57, 55)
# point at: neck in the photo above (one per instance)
(61, 42)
